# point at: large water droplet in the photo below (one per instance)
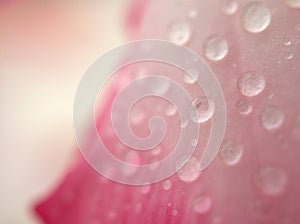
(244, 107)
(251, 83)
(229, 7)
(215, 48)
(256, 17)
(293, 3)
(201, 109)
(180, 33)
(271, 118)
(271, 180)
(190, 171)
(202, 204)
(231, 153)
(166, 184)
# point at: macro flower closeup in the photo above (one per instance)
(252, 50)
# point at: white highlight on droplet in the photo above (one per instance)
(180, 33)
(201, 109)
(190, 171)
(229, 7)
(271, 180)
(251, 83)
(202, 204)
(271, 118)
(256, 17)
(231, 153)
(215, 48)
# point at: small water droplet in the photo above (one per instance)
(289, 56)
(174, 212)
(201, 109)
(256, 17)
(297, 27)
(191, 77)
(251, 83)
(180, 33)
(215, 48)
(146, 189)
(171, 111)
(244, 107)
(193, 13)
(190, 171)
(287, 42)
(202, 204)
(194, 142)
(156, 151)
(271, 118)
(271, 180)
(231, 153)
(137, 117)
(166, 184)
(293, 3)
(183, 123)
(229, 7)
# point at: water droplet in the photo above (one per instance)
(244, 107)
(171, 111)
(194, 142)
(271, 118)
(137, 117)
(191, 77)
(183, 123)
(167, 184)
(293, 3)
(231, 153)
(156, 151)
(190, 171)
(271, 180)
(256, 17)
(202, 204)
(180, 33)
(297, 27)
(174, 212)
(146, 189)
(193, 13)
(251, 83)
(229, 7)
(287, 42)
(215, 48)
(289, 56)
(201, 109)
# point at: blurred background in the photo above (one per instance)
(45, 48)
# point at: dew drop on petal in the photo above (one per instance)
(146, 189)
(174, 212)
(171, 111)
(202, 204)
(180, 33)
(229, 7)
(191, 77)
(287, 42)
(271, 180)
(293, 3)
(271, 118)
(256, 17)
(231, 153)
(201, 109)
(215, 48)
(190, 170)
(244, 107)
(251, 83)
(166, 184)
(289, 56)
